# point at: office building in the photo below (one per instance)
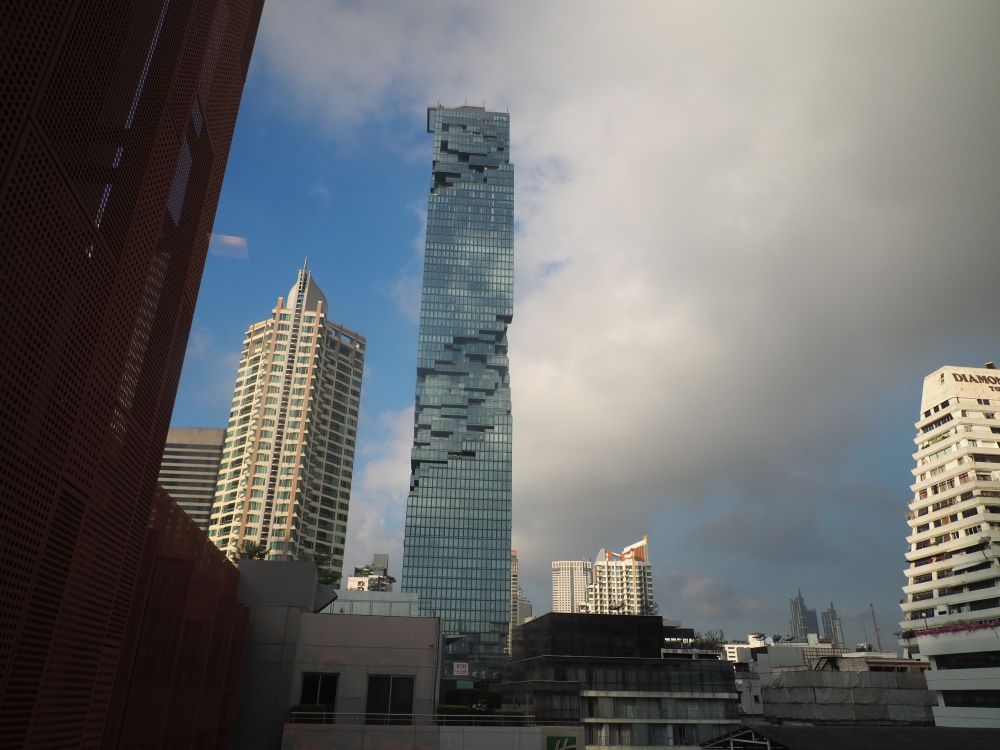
(520, 605)
(190, 467)
(623, 582)
(803, 620)
(116, 125)
(571, 580)
(833, 631)
(285, 483)
(524, 608)
(951, 608)
(459, 503)
(607, 672)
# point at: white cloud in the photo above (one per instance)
(404, 289)
(741, 228)
(378, 493)
(228, 246)
(322, 193)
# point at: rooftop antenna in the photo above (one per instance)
(878, 638)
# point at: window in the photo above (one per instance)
(390, 699)
(968, 660)
(319, 689)
(972, 698)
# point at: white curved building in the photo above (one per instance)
(951, 607)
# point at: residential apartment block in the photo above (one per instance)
(622, 582)
(285, 479)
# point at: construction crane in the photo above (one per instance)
(878, 637)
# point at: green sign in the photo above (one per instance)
(560, 743)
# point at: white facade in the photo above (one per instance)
(951, 611)
(622, 582)
(285, 478)
(571, 581)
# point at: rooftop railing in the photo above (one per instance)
(397, 719)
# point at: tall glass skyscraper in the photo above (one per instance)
(456, 550)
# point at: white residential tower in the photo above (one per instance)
(951, 611)
(285, 480)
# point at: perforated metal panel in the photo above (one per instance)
(184, 643)
(115, 124)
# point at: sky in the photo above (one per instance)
(744, 234)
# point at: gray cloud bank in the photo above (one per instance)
(745, 233)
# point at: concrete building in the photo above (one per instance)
(757, 736)
(951, 609)
(606, 672)
(382, 603)
(758, 662)
(116, 126)
(803, 620)
(847, 690)
(351, 665)
(622, 582)
(571, 581)
(372, 577)
(833, 630)
(356, 682)
(754, 660)
(190, 468)
(285, 479)
(311, 736)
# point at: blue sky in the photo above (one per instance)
(744, 235)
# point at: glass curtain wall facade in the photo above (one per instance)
(456, 549)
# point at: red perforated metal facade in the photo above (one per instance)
(115, 124)
(178, 678)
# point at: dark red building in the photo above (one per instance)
(115, 124)
(178, 678)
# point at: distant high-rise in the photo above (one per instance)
(524, 608)
(285, 481)
(458, 509)
(623, 582)
(951, 609)
(803, 620)
(115, 125)
(190, 467)
(571, 581)
(520, 605)
(833, 631)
